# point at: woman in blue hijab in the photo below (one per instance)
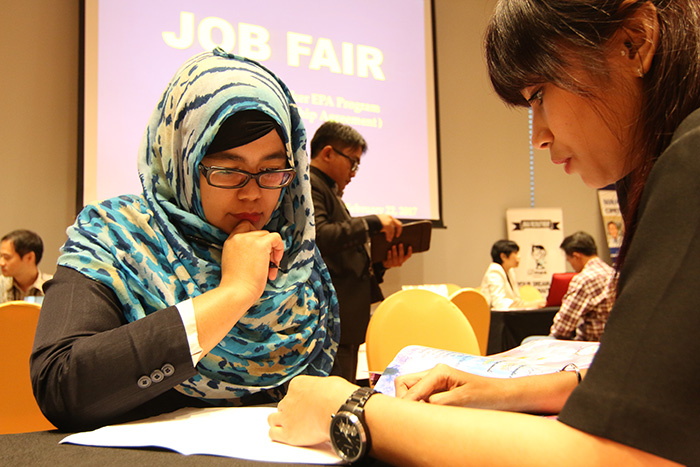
(205, 289)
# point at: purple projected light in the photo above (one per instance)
(360, 62)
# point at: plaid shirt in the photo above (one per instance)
(586, 306)
(10, 291)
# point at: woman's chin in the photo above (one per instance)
(596, 182)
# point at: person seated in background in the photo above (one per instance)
(499, 285)
(614, 88)
(20, 254)
(205, 289)
(586, 305)
(336, 151)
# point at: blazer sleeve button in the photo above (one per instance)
(168, 370)
(144, 382)
(157, 376)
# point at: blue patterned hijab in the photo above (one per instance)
(157, 249)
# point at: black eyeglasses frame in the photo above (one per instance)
(354, 163)
(207, 171)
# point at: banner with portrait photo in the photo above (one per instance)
(612, 220)
(538, 232)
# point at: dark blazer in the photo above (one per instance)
(92, 368)
(341, 239)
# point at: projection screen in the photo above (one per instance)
(365, 63)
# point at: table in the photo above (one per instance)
(509, 327)
(42, 448)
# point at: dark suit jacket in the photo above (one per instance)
(341, 239)
(89, 367)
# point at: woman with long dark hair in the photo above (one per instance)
(614, 86)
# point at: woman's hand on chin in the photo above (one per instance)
(247, 259)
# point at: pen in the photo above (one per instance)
(201, 241)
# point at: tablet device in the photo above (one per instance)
(414, 234)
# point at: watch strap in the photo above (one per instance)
(357, 400)
(355, 404)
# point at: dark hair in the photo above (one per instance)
(507, 247)
(528, 42)
(242, 128)
(25, 241)
(579, 242)
(332, 133)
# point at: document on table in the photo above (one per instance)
(240, 432)
(533, 358)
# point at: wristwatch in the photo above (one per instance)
(349, 432)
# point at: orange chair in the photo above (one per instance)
(19, 412)
(416, 317)
(477, 311)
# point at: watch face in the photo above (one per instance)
(348, 436)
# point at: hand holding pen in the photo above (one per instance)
(275, 256)
(250, 257)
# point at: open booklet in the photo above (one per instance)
(533, 358)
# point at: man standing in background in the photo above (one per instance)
(20, 253)
(343, 240)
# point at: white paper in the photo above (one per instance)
(240, 432)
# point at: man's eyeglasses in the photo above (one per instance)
(354, 163)
(221, 177)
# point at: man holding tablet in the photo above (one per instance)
(336, 150)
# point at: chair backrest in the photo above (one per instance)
(442, 289)
(416, 317)
(19, 412)
(476, 309)
(529, 293)
(558, 287)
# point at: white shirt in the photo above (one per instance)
(500, 290)
(186, 310)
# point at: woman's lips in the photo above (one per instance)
(248, 216)
(565, 162)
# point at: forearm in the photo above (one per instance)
(100, 377)
(565, 321)
(216, 312)
(334, 237)
(444, 385)
(409, 433)
(540, 394)
(87, 361)
(405, 432)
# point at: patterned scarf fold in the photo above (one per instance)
(157, 249)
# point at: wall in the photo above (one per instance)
(485, 152)
(485, 161)
(39, 119)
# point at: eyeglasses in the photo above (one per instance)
(221, 177)
(354, 163)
